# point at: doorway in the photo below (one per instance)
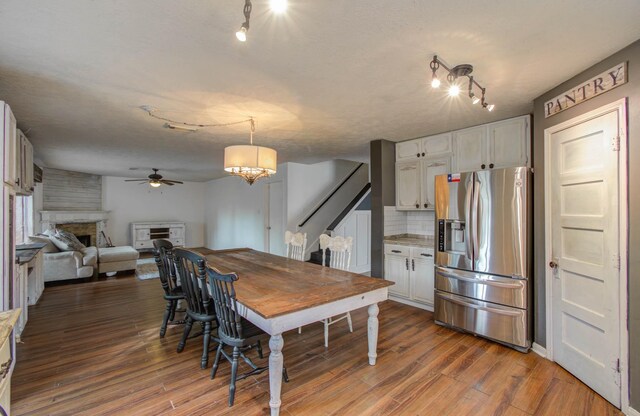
(274, 218)
(586, 277)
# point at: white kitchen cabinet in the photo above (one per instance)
(438, 145)
(423, 283)
(143, 233)
(430, 169)
(408, 185)
(496, 145)
(508, 143)
(408, 150)
(9, 146)
(396, 270)
(470, 149)
(412, 271)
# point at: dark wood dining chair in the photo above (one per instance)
(234, 331)
(191, 269)
(163, 253)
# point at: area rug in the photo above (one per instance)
(146, 269)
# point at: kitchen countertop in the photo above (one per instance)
(26, 252)
(8, 320)
(415, 240)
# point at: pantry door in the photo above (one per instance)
(583, 203)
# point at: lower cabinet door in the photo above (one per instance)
(422, 280)
(396, 270)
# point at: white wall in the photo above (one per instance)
(235, 215)
(130, 202)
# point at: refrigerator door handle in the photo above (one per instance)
(474, 214)
(468, 222)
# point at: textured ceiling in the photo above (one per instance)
(321, 81)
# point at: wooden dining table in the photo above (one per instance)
(278, 294)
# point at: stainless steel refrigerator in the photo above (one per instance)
(483, 254)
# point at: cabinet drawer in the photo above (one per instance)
(497, 322)
(177, 241)
(144, 244)
(422, 253)
(395, 250)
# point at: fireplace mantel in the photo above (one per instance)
(74, 216)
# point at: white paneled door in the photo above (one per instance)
(583, 190)
(275, 218)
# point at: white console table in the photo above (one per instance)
(143, 233)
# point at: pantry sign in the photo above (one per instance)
(602, 83)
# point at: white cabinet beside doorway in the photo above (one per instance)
(496, 145)
(412, 271)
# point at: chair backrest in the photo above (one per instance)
(340, 248)
(163, 253)
(296, 245)
(224, 300)
(191, 268)
(324, 244)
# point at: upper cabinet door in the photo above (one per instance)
(470, 149)
(408, 150)
(509, 143)
(408, 185)
(9, 147)
(437, 145)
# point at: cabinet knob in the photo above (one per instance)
(422, 154)
(417, 205)
(483, 166)
(406, 263)
(426, 205)
(413, 265)
(418, 155)
(491, 166)
(396, 251)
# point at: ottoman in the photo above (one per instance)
(115, 259)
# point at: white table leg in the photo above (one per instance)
(276, 361)
(372, 331)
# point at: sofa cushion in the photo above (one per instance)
(66, 241)
(112, 254)
(89, 256)
(49, 248)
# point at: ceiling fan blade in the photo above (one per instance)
(167, 181)
(134, 180)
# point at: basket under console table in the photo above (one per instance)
(143, 233)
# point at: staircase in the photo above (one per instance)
(316, 256)
(338, 203)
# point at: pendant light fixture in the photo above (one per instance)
(453, 74)
(250, 162)
(242, 33)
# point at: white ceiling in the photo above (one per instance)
(321, 81)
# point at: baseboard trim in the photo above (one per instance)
(411, 303)
(630, 411)
(540, 350)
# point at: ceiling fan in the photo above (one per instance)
(154, 180)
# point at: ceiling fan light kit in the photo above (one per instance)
(154, 180)
(455, 73)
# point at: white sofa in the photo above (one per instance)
(65, 265)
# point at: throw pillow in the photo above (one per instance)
(71, 237)
(49, 248)
(64, 243)
(50, 232)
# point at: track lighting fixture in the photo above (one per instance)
(242, 33)
(458, 71)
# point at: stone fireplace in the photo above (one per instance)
(88, 224)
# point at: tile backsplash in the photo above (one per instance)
(410, 222)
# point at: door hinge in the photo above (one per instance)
(615, 144)
(615, 260)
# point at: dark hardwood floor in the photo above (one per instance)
(93, 348)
